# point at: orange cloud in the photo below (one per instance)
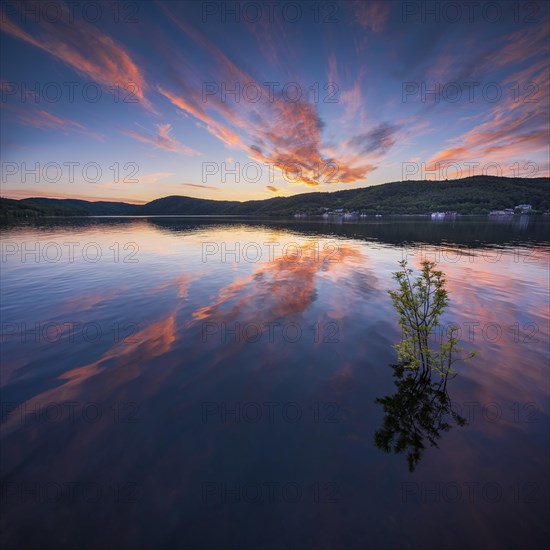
(121, 363)
(86, 50)
(273, 130)
(514, 129)
(279, 287)
(271, 188)
(224, 134)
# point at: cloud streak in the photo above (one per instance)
(88, 51)
(40, 118)
(376, 141)
(283, 133)
(162, 140)
(198, 186)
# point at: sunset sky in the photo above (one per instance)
(331, 95)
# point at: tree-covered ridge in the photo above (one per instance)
(474, 195)
(14, 209)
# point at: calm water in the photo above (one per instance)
(199, 383)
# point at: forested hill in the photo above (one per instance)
(474, 195)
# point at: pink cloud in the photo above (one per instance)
(514, 129)
(282, 133)
(39, 118)
(86, 50)
(372, 14)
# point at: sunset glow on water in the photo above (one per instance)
(274, 275)
(191, 373)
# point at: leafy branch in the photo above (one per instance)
(420, 303)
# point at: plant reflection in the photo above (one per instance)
(420, 411)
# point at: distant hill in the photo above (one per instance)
(99, 208)
(27, 208)
(474, 195)
(189, 205)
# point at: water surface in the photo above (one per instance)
(212, 383)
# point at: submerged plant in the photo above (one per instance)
(420, 304)
(420, 410)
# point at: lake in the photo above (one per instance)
(213, 383)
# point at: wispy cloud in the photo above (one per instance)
(514, 129)
(285, 134)
(371, 14)
(43, 119)
(84, 48)
(162, 140)
(39, 118)
(199, 186)
(376, 141)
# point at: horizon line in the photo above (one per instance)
(142, 202)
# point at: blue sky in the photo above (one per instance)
(133, 100)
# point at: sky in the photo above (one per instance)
(108, 100)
